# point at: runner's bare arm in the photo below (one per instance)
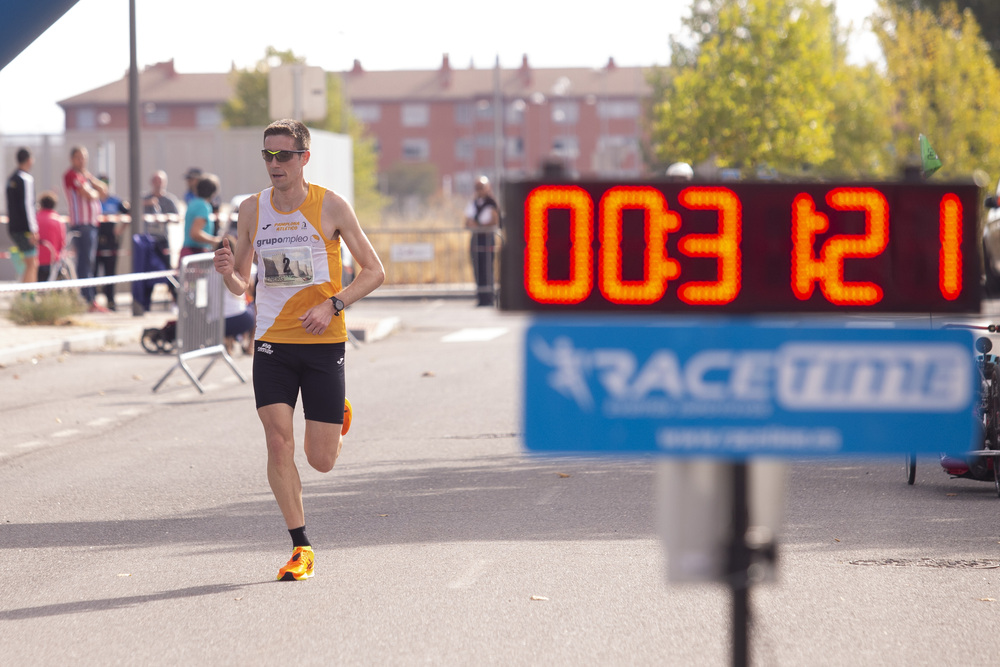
(235, 269)
(339, 217)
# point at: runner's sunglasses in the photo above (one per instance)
(283, 156)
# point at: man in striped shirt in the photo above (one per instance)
(84, 193)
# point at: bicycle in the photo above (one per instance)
(63, 268)
(981, 464)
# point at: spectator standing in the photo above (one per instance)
(51, 235)
(482, 216)
(198, 226)
(159, 201)
(192, 177)
(109, 234)
(23, 226)
(84, 194)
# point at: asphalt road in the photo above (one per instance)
(138, 529)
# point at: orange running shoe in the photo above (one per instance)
(347, 417)
(300, 566)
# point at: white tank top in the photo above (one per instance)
(297, 268)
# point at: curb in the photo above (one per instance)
(78, 342)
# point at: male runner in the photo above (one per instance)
(295, 229)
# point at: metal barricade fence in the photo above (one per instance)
(200, 319)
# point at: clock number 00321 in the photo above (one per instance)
(809, 268)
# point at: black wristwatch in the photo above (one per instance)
(338, 306)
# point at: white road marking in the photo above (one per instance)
(477, 335)
(100, 422)
(65, 434)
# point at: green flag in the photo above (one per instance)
(928, 158)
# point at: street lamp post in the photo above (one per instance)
(138, 223)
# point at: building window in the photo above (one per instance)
(514, 148)
(514, 113)
(614, 152)
(484, 141)
(367, 113)
(416, 150)
(208, 116)
(566, 146)
(156, 115)
(464, 149)
(415, 115)
(618, 109)
(484, 110)
(463, 113)
(565, 112)
(86, 119)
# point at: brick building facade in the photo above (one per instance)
(590, 120)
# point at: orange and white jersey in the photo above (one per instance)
(297, 268)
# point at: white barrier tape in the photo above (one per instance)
(124, 217)
(85, 282)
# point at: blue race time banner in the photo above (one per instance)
(734, 390)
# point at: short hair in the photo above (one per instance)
(289, 128)
(23, 155)
(47, 200)
(207, 185)
(77, 149)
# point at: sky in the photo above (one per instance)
(89, 46)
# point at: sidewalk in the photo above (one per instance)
(84, 331)
(93, 331)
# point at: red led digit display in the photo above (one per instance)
(740, 247)
(828, 268)
(658, 269)
(725, 245)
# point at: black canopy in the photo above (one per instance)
(24, 21)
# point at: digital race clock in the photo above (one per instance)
(740, 247)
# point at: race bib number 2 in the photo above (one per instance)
(288, 267)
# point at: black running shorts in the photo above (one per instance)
(280, 370)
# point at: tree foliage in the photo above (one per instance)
(942, 79)
(765, 83)
(249, 106)
(987, 13)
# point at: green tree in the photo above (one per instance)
(987, 13)
(862, 134)
(765, 83)
(249, 106)
(941, 74)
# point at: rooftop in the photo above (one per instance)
(162, 84)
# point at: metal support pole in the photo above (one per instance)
(137, 222)
(739, 576)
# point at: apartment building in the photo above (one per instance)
(589, 120)
(464, 121)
